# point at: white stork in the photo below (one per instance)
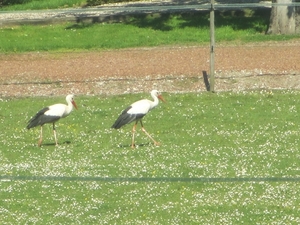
(136, 112)
(51, 114)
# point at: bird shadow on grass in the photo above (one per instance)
(136, 146)
(53, 144)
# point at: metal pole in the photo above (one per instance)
(212, 46)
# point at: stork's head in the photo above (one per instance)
(157, 94)
(70, 98)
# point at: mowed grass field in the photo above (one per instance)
(178, 29)
(252, 134)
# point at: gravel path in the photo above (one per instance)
(171, 69)
(110, 12)
(98, 14)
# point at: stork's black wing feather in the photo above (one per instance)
(126, 118)
(40, 118)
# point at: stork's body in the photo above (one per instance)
(136, 112)
(52, 114)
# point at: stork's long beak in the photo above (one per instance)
(74, 104)
(161, 98)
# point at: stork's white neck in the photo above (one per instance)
(69, 108)
(155, 102)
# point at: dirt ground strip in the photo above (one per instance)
(170, 69)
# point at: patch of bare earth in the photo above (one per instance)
(170, 69)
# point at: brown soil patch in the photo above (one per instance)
(171, 69)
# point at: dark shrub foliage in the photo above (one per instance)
(89, 2)
(101, 2)
(13, 2)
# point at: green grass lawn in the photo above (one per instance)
(223, 135)
(139, 31)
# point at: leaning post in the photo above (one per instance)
(212, 46)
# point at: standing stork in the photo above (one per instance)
(51, 114)
(136, 112)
